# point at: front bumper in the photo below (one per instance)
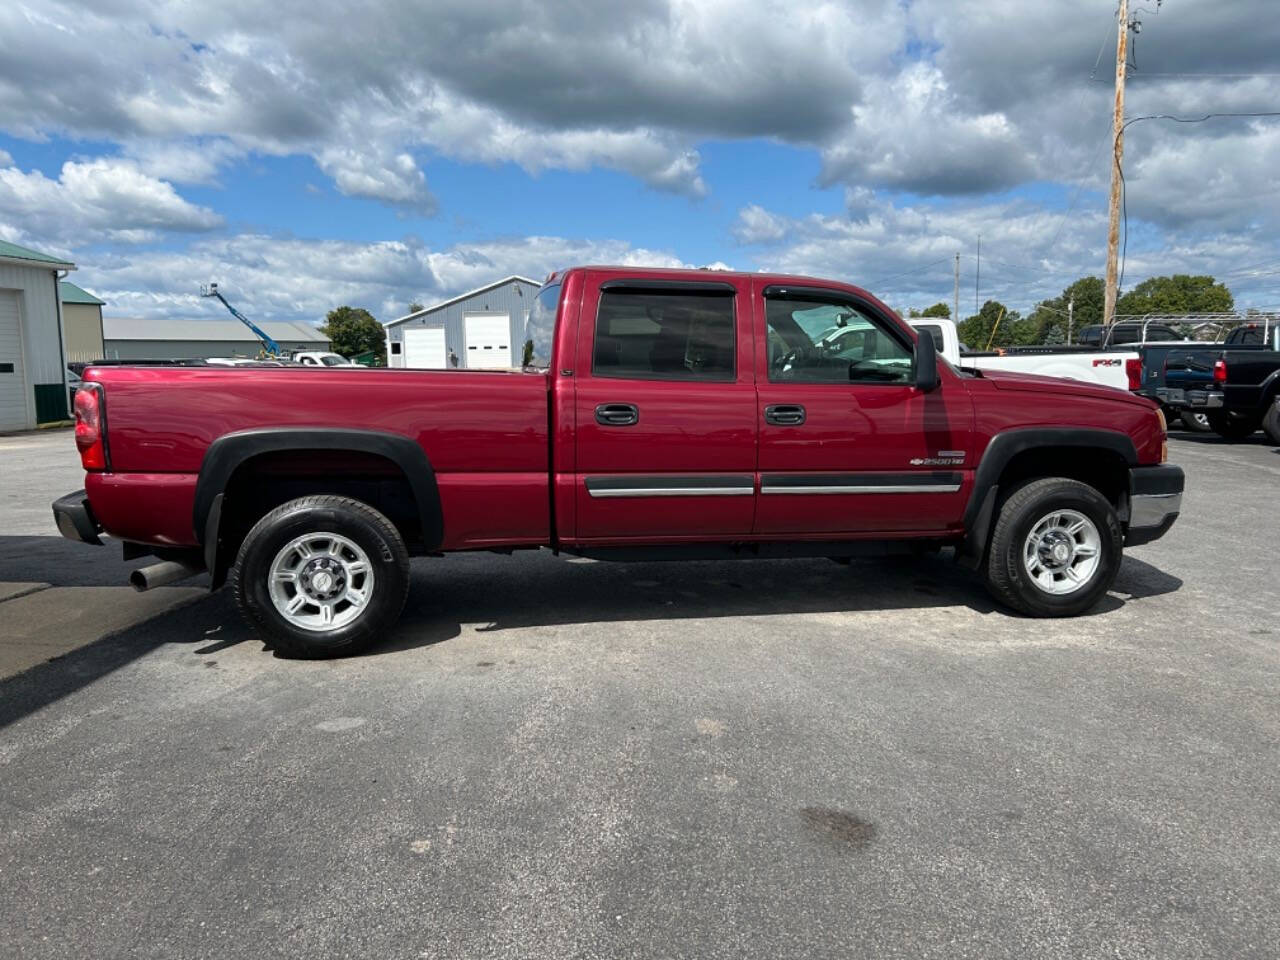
(75, 518)
(1155, 499)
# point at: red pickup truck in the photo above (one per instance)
(658, 414)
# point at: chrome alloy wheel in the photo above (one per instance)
(320, 581)
(1062, 552)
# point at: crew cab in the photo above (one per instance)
(659, 414)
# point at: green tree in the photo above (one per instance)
(1008, 326)
(1048, 321)
(937, 310)
(1180, 293)
(415, 307)
(353, 330)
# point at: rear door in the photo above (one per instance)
(665, 410)
(848, 445)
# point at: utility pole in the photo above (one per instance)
(977, 277)
(1071, 310)
(1117, 132)
(955, 296)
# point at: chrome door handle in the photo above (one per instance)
(617, 414)
(784, 414)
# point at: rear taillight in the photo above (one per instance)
(90, 438)
(1133, 370)
(1219, 371)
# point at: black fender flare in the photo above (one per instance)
(227, 453)
(980, 511)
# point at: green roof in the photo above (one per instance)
(11, 251)
(70, 293)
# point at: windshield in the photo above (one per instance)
(333, 360)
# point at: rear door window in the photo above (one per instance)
(664, 335)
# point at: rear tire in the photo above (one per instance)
(1231, 426)
(321, 576)
(1055, 550)
(1271, 424)
(1196, 421)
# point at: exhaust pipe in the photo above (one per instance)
(158, 574)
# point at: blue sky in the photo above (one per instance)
(443, 145)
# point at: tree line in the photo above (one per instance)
(1046, 323)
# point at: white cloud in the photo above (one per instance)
(912, 133)
(96, 200)
(395, 180)
(288, 278)
(905, 253)
(755, 224)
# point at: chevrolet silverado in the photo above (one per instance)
(657, 414)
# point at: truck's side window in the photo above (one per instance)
(817, 341)
(664, 335)
(540, 328)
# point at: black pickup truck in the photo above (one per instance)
(1161, 353)
(1237, 389)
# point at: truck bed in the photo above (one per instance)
(485, 433)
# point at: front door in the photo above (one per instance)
(665, 411)
(848, 444)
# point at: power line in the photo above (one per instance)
(1124, 200)
(1142, 74)
(907, 273)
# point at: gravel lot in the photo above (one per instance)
(553, 758)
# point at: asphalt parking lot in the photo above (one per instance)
(552, 758)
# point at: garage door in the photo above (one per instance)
(13, 384)
(488, 340)
(424, 348)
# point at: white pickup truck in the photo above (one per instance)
(315, 358)
(1121, 369)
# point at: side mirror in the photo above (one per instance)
(926, 363)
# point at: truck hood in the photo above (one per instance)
(1030, 383)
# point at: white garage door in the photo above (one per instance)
(13, 383)
(424, 348)
(488, 341)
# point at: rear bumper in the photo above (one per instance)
(1155, 499)
(75, 518)
(1198, 399)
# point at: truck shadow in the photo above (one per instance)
(540, 592)
(532, 589)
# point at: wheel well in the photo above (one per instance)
(265, 481)
(1104, 470)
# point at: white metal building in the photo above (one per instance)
(33, 370)
(126, 338)
(479, 330)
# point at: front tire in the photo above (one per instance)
(1271, 424)
(321, 576)
(1055, 550)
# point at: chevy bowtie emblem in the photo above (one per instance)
(945, 458)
